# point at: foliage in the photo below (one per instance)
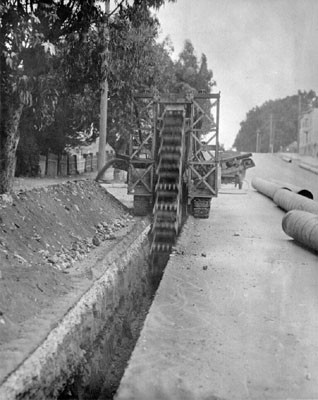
(30, 31)
(195, 76)
(284, 116)
(191, 73)
(67, 99)
(53, 60)
(138, 64)
(51, 63)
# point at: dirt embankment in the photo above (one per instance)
(46, 234)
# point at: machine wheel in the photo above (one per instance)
(201, 207)
(142, 205)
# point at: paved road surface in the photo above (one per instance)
(236, 314)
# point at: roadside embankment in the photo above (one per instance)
(74, 282)
(78, 351)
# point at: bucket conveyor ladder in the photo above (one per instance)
(167, 212)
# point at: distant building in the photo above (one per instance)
(93, 149)
(85, 153)
(308, 134)
(291, 148)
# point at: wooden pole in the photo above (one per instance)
(271, 134)
(257, 141)
(298, 121)
(101, 161)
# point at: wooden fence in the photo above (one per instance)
(53, 165)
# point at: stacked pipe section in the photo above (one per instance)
(301, 220)
(303, 227)
(291, 201)
(265, 187)
(269, 188)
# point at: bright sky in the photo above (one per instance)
(258, 50)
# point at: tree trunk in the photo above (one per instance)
(9, 139)
(104, 93)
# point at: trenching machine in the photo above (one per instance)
(172, 163)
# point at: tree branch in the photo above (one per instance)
(116, 8)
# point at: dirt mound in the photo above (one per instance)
(44, 233)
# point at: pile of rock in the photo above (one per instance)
(80, 248)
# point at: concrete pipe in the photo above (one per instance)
(296, 189)
(291, 201)
(268, 188)
(303, 227)
(265, 187)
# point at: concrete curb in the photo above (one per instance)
(309, 167)
(312, 167)
(67, 350)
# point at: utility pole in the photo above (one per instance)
(101, 161)
(257, 141)
(298, 121)
(271, 145)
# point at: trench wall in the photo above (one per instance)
(78, 351)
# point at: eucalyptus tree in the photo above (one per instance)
(35, 36)
(129, 62)
(194, 75)
(276, 121)
(29, 32)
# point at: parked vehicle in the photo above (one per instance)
(233, 168)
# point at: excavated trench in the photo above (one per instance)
(113, 326)
(88, 334)
(84, 356)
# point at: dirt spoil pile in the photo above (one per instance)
(44, 232)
